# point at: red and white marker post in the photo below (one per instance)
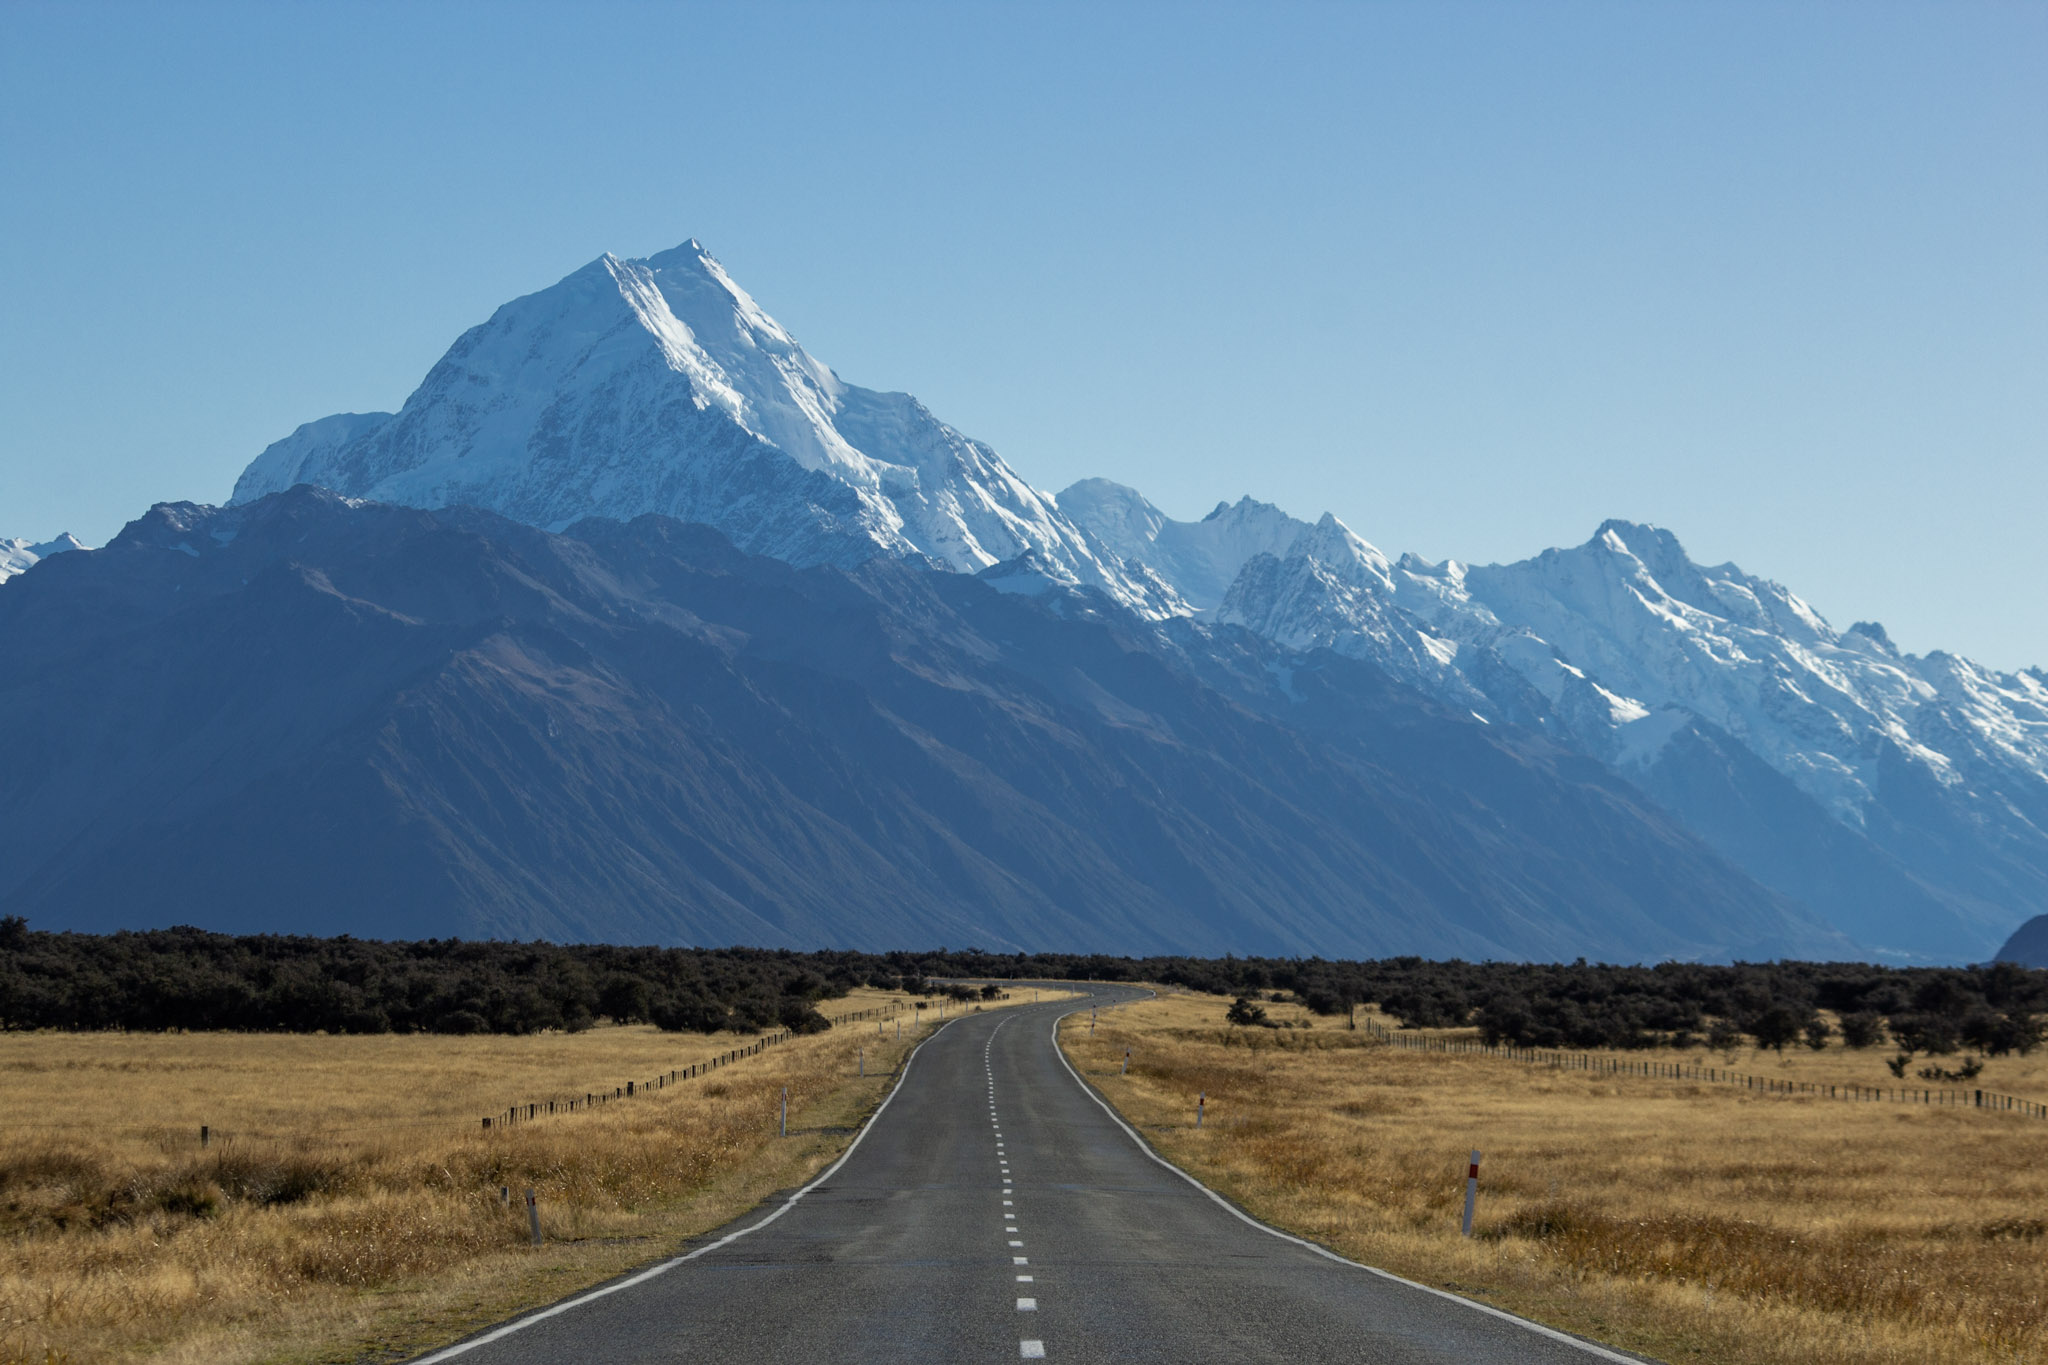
(1471, 1191)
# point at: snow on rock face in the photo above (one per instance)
(1333, 590)
(662, 386)
(1623, 647)
(19, 556)
(1200, 558)
(1631, 610)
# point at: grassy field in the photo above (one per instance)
(1690, 1222)
(2026, 1077)
(348, 1204)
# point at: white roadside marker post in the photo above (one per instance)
(533, 1216)
(863, 1062)
(785, 1112)
(1127, 1063)
(1471, 1191)
(1201, 1099)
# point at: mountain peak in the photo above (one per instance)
(19, 556)
(660, 385)
(1653, 545)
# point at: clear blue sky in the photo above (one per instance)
(1473, 277)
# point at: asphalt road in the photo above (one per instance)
(994, 1210)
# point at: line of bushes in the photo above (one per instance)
(187, 978)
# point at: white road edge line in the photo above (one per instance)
(662, 1268)
(1234, 1211)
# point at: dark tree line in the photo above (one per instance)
(1994, 1009)
(189, 979)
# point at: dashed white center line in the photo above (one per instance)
(1007, 1203)
(1031, 1350)
(1023, 1279)
(1020, 1260)
(1027, 1305)
(1016, 1244)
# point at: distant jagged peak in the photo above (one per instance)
(1245, 508)
(1342, 550)
(1646, 541)
(1116, 513)
(1873, 633)
(1654, 562)
(19, 556)
(1199, 559)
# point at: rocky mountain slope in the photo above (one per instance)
(318, 714)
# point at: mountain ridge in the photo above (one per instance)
(633, 731)
(661, 385)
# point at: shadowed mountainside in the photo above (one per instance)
(314, 715)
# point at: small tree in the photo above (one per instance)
(1928, 1033)
(1724, 1037)
(1998, 1034)
(1818, 1033)
(1244, 1013)
(798, 1016)
(1776, 1026)
(1862, 1029)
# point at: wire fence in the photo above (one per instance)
(1686, 1071)
(596, 1099)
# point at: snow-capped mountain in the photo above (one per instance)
(19, 556)
(1904, 797)
(1200, 558)
(659, 385)
(321, 714)
(1935, 769)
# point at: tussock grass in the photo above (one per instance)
(1689, 1221)
(348, 1206)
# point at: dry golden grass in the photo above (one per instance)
(349, 1207)
(2026, 1077)
(1687, 1221)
